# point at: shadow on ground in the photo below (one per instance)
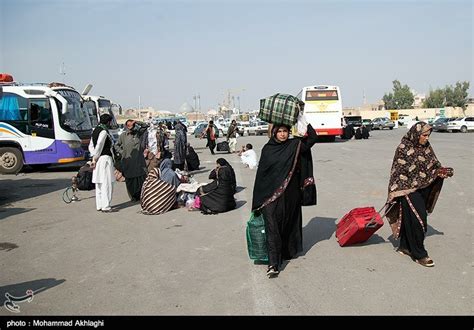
(19, 289)
(317, 229)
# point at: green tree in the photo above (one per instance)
(435, 99)
(451, 96)
(457, 96)
(402, 97)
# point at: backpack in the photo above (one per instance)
(84, 178)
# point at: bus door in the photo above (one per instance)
(41, 130)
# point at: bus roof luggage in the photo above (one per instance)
(5, 78)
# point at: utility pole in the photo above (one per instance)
(139, 105)
(62, 71)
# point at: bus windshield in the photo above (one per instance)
(76, 118)
(105, 106)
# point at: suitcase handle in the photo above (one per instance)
(372, 223)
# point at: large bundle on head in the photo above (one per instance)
(280, 109)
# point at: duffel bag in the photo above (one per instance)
(280, 109)
(223, 146)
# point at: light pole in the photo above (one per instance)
(62, 71)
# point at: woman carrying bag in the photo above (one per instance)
(284, 182)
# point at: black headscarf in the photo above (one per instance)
(276, 161)
(105, 118)
(225, 170)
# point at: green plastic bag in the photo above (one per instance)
(257, 238)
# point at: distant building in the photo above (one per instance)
(419, 100)
(186, 107)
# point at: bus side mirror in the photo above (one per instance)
(1, 92)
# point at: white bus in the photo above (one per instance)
(97, 106)
(323, 109)
(41, 124)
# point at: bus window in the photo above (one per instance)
(41, 118)
(9, 108)
(14, 111)
(321, 95)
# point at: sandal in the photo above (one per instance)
(426, 261)
(272, 271)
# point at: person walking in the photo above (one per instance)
(232, 136)
(102, 162)
(132, 145)
(210, 133)
(284, 172)
(416, 179)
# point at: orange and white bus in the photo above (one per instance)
(323, 109)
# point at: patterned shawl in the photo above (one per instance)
(414, 167)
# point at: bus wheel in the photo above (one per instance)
(11, 160)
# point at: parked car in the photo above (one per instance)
(382, 122)
(257, 128)
(403, 120)
(463, 125)
(440, 125)
(201, 127)
(355, 121)
(367, 123)
(192, 128)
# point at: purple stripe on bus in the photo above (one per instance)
(52, 153)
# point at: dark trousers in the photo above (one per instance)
(412, 235)
(212, 145)
(283, 225)
(134, 187)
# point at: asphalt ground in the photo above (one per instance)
(82, 262)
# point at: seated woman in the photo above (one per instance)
(167, 174)
(159, 190)
(218, 196)
(192, 159)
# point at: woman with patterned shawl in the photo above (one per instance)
(416, 179)
(158, 196)
(284, 171)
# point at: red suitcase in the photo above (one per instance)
(358, 225)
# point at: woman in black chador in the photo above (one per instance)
(218, 196)
(284, 182)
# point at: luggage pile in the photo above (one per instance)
(280, 109)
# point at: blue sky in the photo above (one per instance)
(165, 52)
